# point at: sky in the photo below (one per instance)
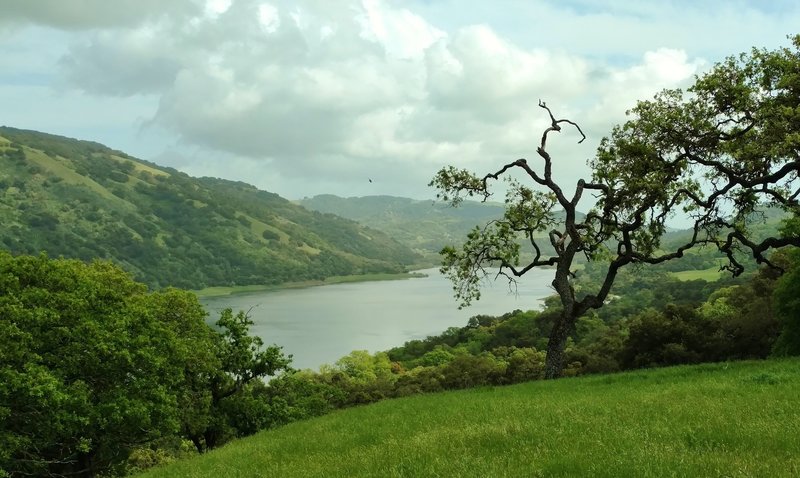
(357, 97)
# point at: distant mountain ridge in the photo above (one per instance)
(426, 226)
(80, 199)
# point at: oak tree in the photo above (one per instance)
(718, 154)
(94, 366)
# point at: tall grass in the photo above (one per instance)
(733, 420)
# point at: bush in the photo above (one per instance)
(466, 371)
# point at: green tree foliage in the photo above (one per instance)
(787, 305)
(92, 367)
(231, 390)
(716, 154)
(735, 322)
(673, 336)
(85, 375)
(302, 394)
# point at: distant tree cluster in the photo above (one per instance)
(15, 154)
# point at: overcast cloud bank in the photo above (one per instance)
(311, 97)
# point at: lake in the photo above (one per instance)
(319, 325)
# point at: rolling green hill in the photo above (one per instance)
(728, 419)
(80, 199)
(426, 226)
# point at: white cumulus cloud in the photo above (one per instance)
(314, 96)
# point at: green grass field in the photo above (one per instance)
(721, 420)
(711, 274)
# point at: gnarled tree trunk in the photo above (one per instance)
(554, 361)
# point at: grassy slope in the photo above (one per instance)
(737, 419)
(711, 274)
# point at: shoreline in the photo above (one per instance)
(222, 291)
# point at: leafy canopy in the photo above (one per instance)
(719, 154)
(93, 366)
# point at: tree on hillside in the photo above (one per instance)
(717, 153)
(86, 372)
(93, 366)
(226, 393)
(787, 305)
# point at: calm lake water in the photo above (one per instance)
(319, 325)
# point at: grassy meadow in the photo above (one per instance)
(729, 419)
(711, 274)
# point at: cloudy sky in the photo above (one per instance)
(318, 96)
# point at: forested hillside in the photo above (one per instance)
(426, 226)
(80, 199)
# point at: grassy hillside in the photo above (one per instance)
(80, 199)
(729, 419)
